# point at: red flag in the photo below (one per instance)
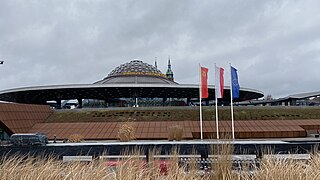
(204, 82)
(221, 81)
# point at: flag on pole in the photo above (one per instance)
(219, 88)
(234, 93)
(235, 83)
(219, 82)
(204, 82)
(203, 92)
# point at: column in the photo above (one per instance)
(188, 101)
(79, 103)
(163, 101)
(58, 103)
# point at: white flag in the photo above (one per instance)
(219, 82)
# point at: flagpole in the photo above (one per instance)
(200, 95)
(231, 103)
(216, 100)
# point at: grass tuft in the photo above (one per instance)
(175, 133)
(126, 131)
(75, 138)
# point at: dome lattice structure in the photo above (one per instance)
(136, 72)
(135, 66)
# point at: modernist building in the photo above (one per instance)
(27, 111)
(126, 85)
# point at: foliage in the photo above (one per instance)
(175, 133)
(74, 138)
(126, 131)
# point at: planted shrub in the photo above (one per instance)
(126, 131)
(74, 138)
(175, 133)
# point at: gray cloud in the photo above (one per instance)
(274, 44)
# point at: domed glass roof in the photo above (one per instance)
(135, 67)
(136, 72)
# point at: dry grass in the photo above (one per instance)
(280, 169)
(126, 131)
(15, 168)
(75, 138)
(133, 167)
(222, 167)
(175, 133)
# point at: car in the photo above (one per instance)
(29, 139)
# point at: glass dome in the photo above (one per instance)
(136, 72)
(135, 67)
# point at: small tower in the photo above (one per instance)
(155, 62)
(169, 73)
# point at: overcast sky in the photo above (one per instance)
(275, 45)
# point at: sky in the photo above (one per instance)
(274, 44)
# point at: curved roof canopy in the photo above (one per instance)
(129, 80)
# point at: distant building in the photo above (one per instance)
(301, 99)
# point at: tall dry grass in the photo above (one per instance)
(126, 131)
(30, 168)
(222, 165)
(289, 168)
(134, 167)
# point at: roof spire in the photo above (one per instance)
(155, 62)
(169, 73)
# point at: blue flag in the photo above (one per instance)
(235, 83)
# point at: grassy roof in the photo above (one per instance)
(183, 113)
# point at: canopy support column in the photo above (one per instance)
(164, 101)
(79, 103)
(58, 103)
